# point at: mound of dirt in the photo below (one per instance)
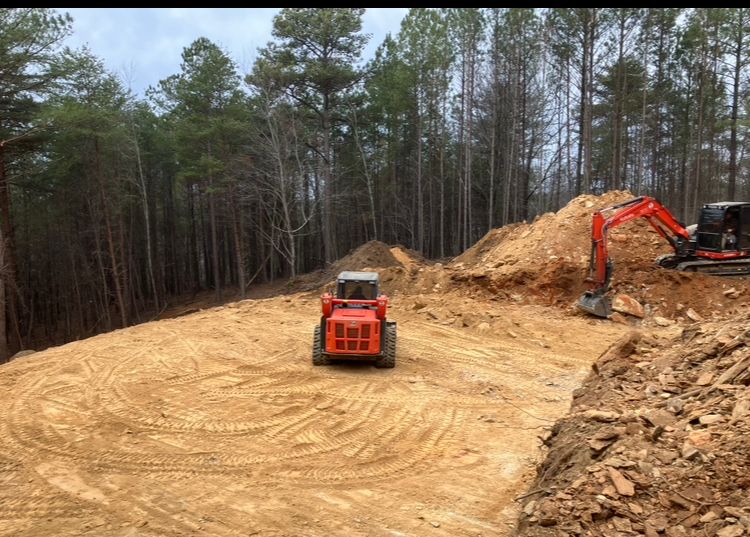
(548, 259)
(547, 262)
(657, 441)
(402, 271)
(552, 236)
(373, 254)
(407, 258)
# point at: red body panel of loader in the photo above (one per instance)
(353, 327)
(353, 331)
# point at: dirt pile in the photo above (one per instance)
(548, 259)
(547, 262)
(657, 441)
(372, 254)
(402, 271)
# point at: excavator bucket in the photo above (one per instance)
(595, 304)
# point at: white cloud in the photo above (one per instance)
(145, 44)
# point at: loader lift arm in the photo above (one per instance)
(600, 265)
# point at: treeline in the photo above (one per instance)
(112, 204)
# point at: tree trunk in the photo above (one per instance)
(121, 297)
(583, 111)
(329, 243)
(738, 49)
(146, 223)
(214, 241)
(10, 266)
(420, 193)
(4, 354)
(194, 256)
(587, 135)
(620, 88)
(239, 249)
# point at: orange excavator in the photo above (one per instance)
(719, 244)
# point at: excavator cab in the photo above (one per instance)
(724, 227)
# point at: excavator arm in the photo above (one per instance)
(600, 267)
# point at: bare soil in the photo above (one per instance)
(215, 422)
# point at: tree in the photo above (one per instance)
(698, 54)
(426, 54)
(313, 60)
(91, 131)
(30, 40)
(578, 32)
(281, 164)
(466, 26)
(387, 96)
(736, 34)
(206, 106)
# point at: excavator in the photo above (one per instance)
(719, 244)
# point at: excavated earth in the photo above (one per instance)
(656, 442)
(216, 422)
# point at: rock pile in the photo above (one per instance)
(657, 441)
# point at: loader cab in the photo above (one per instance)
(724, 227)
(357, 285)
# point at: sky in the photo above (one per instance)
(143, 45)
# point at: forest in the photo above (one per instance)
(113, 205)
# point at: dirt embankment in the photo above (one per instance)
(402, 271)
(547, 262)
(657, 441)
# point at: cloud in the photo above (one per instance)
(144, 44)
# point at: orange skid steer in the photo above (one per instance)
(354, 323)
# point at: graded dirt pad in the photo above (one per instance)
(657, 441)
(547, 262)
(216, 423)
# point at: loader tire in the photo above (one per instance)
(388, 359)
(318, 358)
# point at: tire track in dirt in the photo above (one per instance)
(217, 422)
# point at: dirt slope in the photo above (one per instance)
(547, 261)
(656, 441)
(216, 423)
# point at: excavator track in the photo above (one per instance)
(728, 267)
(716, 267)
